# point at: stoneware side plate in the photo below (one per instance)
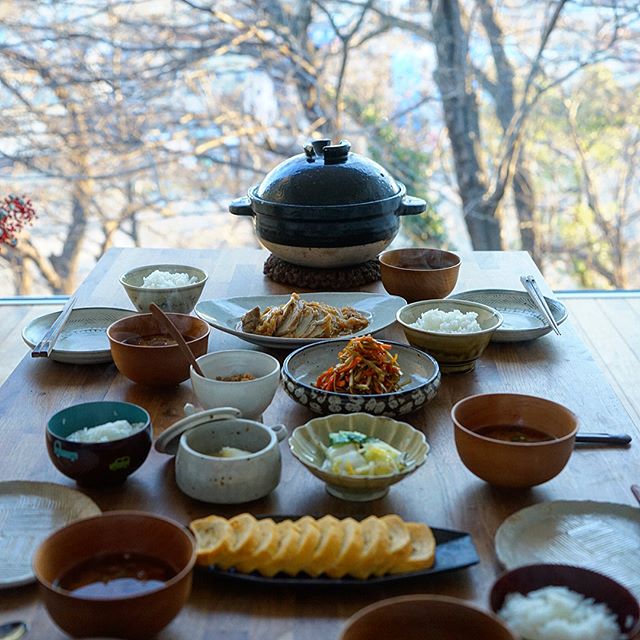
(225, 314)
(522, 320)
(602, 536)
(29, 512)
(454, 550)
(84, 336)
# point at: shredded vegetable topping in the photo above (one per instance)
(365, 366)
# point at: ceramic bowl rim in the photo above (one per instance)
(440, 334)
(203, 276)
(211, 355)
(136, 316)
(631, 633)
(118, 513)
(455, 265)
(524, 445)
(186, 447)
(381, 476)
(382, 396)
(418, 599)
(147, 424)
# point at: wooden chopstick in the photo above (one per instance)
(530, 284)
(44, 348)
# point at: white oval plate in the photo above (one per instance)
(83, 339)
(29, 512)
(521, 319)
(602, 536)
(225, 314)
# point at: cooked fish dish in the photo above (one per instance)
(298, 318)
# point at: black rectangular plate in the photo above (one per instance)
(454, 550)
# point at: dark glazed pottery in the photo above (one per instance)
(343, 206)
(98, 463)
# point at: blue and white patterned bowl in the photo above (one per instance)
(419, 384)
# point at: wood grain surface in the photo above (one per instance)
(442, 492)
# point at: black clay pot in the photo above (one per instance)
(327, 207)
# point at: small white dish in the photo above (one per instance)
(204, 475)
(83, 339)
(251, 397)
(226, 313)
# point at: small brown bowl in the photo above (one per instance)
(620, 601)
(155, 366)
(98, 463)
(513, 464)
(419, 273)
(134, 616)
(419, 617)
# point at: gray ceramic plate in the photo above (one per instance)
(522, 320)
(84, 336)
(603, 536)
(29, 512)
(419, 383)
(225, 314)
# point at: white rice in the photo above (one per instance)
(106, 432)
(557, 613)
(166, 280)
(448, 321)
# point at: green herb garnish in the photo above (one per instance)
(347, 437)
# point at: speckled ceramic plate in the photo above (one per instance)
(84, 336)
(454, 550)
(602, 536)
(419, 384)
(522, 320)
(225, 314)
(29, 512)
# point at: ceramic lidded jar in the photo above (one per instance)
(327, 207)
(204, 474)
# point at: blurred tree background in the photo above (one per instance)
(136, 122)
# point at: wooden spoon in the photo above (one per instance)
(164, 321)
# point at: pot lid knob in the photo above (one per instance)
(331, 153)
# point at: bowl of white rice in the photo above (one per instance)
(564, 602)
(175, 288)
(454, 332)
(99, 443)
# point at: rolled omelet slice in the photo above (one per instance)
(328, 546)
(307, 544)
(212, 538)
(267, 542)
(374, 547)
(350, 550)
(423, 550)
(241, 543)
(398, 544)
(288, 534)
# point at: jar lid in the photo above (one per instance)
(326, 175)
(169, 440)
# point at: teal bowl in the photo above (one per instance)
(98, 463)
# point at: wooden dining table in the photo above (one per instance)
(442, 493)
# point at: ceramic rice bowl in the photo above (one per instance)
(309, 442)
(455, 352)
(170, 299)
(300, 370)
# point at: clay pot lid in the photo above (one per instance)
(326, 175)
(169, 440)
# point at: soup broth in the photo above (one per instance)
(514, 433)
(155, 340)
(115, 575)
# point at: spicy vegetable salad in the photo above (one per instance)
(365, 367)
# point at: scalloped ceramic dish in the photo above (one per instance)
(522, 320)
(309, 442)
(419, 384)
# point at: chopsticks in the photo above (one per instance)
(531, 286)
(44, 348)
